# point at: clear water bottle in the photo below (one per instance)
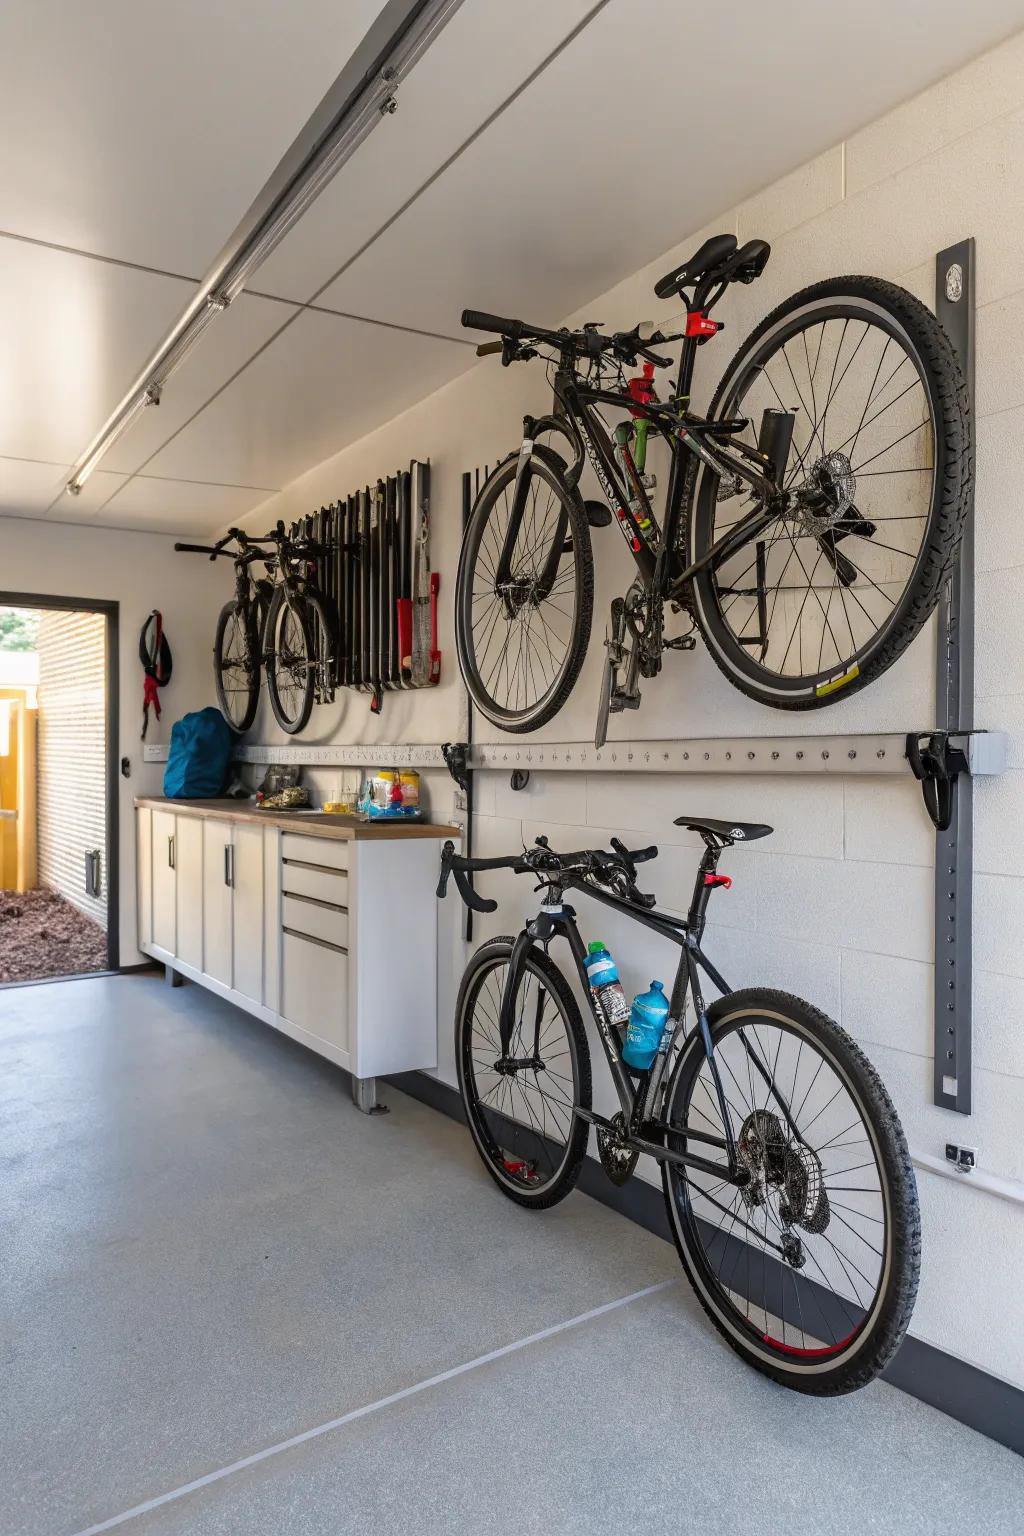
(646, 1026)
(603, 976)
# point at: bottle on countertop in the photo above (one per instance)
(603, 976)
(647, 1019)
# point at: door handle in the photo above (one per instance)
(170, 851)
(229, 864)
(92, 872)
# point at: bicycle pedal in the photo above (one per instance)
(621, 700)
(680, 643)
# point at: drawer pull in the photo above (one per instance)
(309, 939)
(326, 869)
(315, 901)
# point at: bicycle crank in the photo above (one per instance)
(618, 1158)
(621, 661)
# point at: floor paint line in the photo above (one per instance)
(221, 1473)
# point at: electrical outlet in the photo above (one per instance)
(155, 752)
(965, 1159)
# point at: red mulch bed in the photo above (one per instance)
(41, 934)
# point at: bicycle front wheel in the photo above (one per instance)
(236, 665)
(520, 1108)
(522, 623)
(878, 475)
(810, 1269)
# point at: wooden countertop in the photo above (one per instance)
(311, 823)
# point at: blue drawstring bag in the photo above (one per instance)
(200, 755)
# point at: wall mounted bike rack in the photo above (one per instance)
(954, 712)
(945, 759)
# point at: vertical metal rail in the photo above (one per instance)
(467, 507)
(954, 711)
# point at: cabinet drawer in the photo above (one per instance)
(314, 988)
(323, 884)
(328, 851)
(314, 918)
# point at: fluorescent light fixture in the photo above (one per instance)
(362, 95)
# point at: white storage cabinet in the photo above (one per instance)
(310, 933)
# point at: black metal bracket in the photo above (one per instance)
(519, 778)
(456, 759)
(936, 764)
(953, 789)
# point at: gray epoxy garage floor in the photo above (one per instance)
(206, 1251)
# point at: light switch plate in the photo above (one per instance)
(154, 753)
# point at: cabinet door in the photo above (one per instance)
(188, 859)
(144, 874)
(217, 900)
(247, 913)
(314, 987)
(165, 924)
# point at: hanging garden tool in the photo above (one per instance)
(155, 655)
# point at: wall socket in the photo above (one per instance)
(963, 1158)
(154, 752)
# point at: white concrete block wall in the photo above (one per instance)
(838, 904)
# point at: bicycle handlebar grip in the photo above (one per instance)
(446, 868)
(480, 320)
(470, 897)
(193, 549)
(642, 855)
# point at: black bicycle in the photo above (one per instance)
(789, 1186)
(810, 518)
(278, 620)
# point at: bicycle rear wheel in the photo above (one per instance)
(521, 642)
(521, 1117)
(809, 1270)
(291, 660)
(879, 473)
(236, 665)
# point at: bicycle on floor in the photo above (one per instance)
(810, 520)
(278, 621)
(786, 1174)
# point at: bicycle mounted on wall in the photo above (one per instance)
(786, 1174)
(810, 517)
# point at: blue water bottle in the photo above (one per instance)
(646, 1026)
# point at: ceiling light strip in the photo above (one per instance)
(362, 95)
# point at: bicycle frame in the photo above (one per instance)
(685, 433)
(641, 1104)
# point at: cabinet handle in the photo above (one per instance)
(229, 864)
(170, 851)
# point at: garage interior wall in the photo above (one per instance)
(837, 905)
(71, 759)
(139, 571)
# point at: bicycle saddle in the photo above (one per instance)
(718, 260)
(730, 831)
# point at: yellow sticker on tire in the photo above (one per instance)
(835, 683)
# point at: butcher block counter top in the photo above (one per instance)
(314, 823)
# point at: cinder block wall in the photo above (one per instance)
(838, 904)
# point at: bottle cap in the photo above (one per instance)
(658, 986)
(595, 946)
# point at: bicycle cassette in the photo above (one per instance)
(617, 1159)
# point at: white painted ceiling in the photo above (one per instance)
(136, 134)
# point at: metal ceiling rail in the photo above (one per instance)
(362, 95)
(875, 754)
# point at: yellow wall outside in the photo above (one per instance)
(18, 793)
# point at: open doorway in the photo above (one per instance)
(58, 790)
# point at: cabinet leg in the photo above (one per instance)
(364, 1096)
(171, 976)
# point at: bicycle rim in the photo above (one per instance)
(290, 664)
(522, 1121)
(521, 642)
(826, 1197)
(236, 666)
(797, 616)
